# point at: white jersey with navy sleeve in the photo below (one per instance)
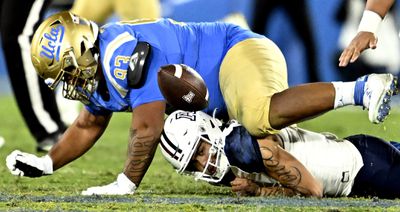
(334, 162)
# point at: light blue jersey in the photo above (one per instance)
(201, 46)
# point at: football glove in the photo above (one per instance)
(121, 186)
(28, 165)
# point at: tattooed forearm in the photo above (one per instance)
(140, 154)
(288, 176)
(283, 167)
(287, 169)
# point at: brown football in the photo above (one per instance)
(183, 87)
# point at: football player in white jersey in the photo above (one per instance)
(292, 162)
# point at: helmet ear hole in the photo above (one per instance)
(57, 22)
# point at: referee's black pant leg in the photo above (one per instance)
(14, 17)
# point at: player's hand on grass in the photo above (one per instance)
(28, 165)
(244, 187)
(362, 41)
(121, 186)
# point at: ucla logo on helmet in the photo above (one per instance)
(52, 41)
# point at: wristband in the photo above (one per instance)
(125, 182)
(47, 165)
(370, 22)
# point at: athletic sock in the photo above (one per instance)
(344, 93)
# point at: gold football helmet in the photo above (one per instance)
(63, 49)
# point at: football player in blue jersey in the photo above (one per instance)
(293, 162)
(114, 69)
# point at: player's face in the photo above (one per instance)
(201, 157)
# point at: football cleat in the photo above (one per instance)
(374, 92)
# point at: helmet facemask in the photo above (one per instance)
(78, 75)
(79, 80)
(217, 162)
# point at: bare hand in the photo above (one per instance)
(362, 41)
(245, 187)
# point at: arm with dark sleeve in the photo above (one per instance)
(78, 138)
(146, 128)
(267, 156)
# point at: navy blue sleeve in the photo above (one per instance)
(243, 151)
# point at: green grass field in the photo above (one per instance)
(162, 189)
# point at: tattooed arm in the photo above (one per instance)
(286, 169)
(246, 187)
(147, 124)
